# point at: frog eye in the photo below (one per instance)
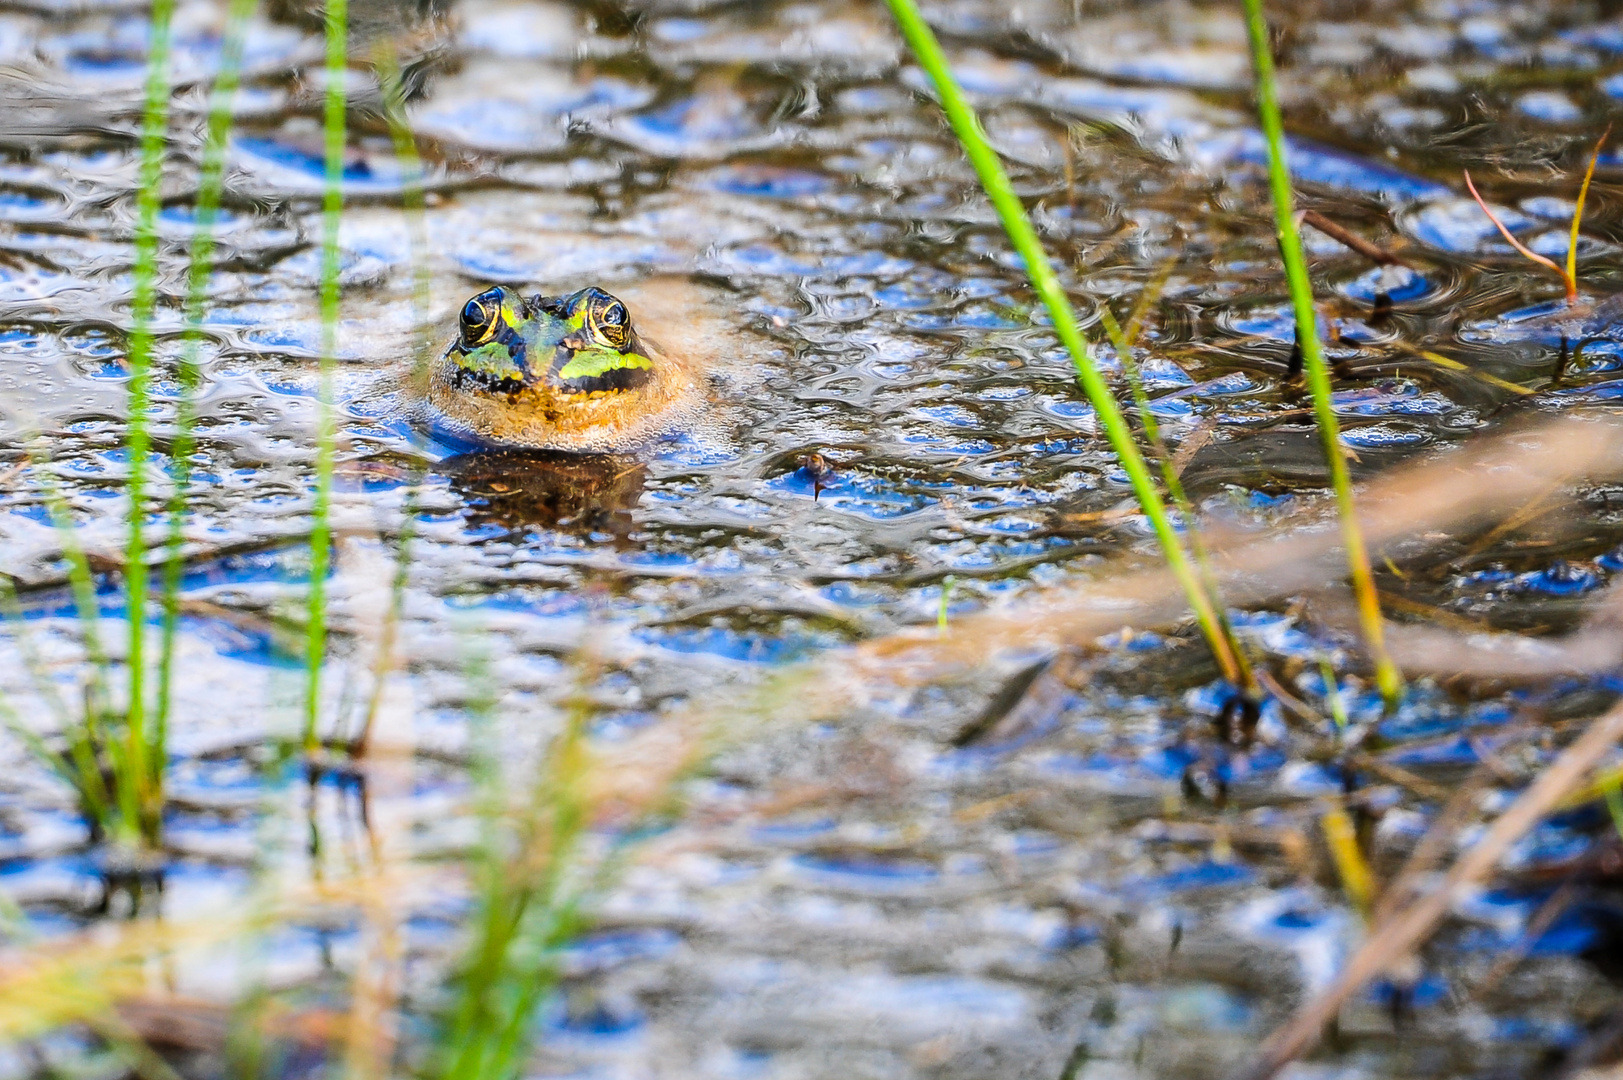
(611, 322)
(480, 317)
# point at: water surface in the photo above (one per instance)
(1116, 889)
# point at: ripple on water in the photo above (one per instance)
(864, 872)
(852, 492)
(1195, 878)
(1399, 284)
(296, 166)
(1385, 436)
(1459, 226)
(1391, 398)
(730, 644)
(606, 950)
(715, 123)
(764, 181)
(521, 107)
(567, 1022)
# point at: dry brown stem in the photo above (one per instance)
(1467, 652)
(1451, 491)
(1522, 249)
(1349, 239)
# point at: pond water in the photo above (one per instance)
(1114, 889)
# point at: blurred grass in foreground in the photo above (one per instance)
(334, 130)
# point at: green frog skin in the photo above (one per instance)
(561, 373)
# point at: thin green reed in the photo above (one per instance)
(1122, 340)
(81, 765)
(387, 65)
(966, 125)
(82, 582)
(211, 173)
(332, 205)
(139, 814)
(1387, 677)
(78, 766)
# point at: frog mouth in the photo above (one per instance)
(466, 380)
(572, 372)
(610, 381)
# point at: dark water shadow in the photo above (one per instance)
(582, 494)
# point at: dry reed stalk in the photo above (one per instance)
(1450, 491)
(1506, 656)
(625, 781)
(1456, 812)
(371, 1028)
(1465, 652)
(1544, 918)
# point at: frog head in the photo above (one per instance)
(582, 343)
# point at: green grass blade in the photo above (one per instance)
(110, 812)
(332, 207)
(1242, 677)
(133, 794)
(200, 271)
(526, 910)
(1387, 677)
(387, 65)
(82, 582)
(966, 125)
(488, 871)
(12, 611)
(79, 767)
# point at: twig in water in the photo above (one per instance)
(1523, 249)
(1347, 238)
(1544, 918)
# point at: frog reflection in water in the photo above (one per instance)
(562, 373)
(587, 494)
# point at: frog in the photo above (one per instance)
(563, 373)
